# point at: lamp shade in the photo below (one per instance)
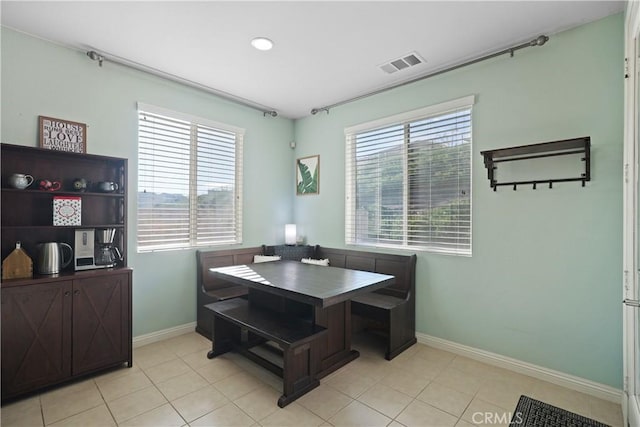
(290, 234)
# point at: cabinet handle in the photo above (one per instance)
(66, 294)
(76, 292)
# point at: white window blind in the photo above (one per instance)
(189, 181)
(408, 180)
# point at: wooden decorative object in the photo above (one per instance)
(17, 264)
(62, 135)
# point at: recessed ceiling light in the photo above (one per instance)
(262, 43)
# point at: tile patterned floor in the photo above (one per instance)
(172, 383)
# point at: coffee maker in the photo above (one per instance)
(94, 248)
(107, 254)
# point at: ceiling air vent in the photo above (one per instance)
(405, 61)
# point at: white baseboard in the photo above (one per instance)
(164, 334)
(572, 382)
(633, 410)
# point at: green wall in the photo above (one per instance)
(544, 282)
(40, 78)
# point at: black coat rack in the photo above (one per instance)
(536, 151)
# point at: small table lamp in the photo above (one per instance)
(290, 234)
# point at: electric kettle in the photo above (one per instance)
(50, 259)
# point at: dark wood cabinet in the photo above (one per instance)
(101, 330)
(59, 327)
(36, 336)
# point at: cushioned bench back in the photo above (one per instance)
(291, 252)
(400, 266)
(224, 258)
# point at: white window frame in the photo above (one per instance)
(350, 165)
(238, 188)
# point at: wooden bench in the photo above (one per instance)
(241, 326)
(392, 308)
(212, 289)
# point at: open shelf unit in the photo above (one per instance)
(27, 215)
(535, 151)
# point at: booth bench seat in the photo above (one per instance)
(212, 289)
(390, 310)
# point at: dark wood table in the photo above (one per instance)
(310, 293)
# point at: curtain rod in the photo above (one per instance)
(538, 41)
(100, 57)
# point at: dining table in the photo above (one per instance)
(309, 293)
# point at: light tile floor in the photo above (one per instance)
(172, 383)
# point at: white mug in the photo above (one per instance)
(20, 181)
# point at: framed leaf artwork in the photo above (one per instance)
(308, 175)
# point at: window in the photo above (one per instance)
(189, 181)
(408, 180)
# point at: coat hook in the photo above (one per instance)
(534, 185)
(515, 187)
(550, 184)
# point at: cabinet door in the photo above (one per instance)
(101, 322)
(36, 336)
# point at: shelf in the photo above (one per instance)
(33, 192)
(537, 151)
(55, 155)
(60, 227)
(63, 276)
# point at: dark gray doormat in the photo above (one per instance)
(533, 413)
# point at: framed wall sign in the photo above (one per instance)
(308, 175)
(62, 135)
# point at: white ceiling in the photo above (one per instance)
(325, 52)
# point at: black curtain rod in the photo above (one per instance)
(538, 41)
(95, 56)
